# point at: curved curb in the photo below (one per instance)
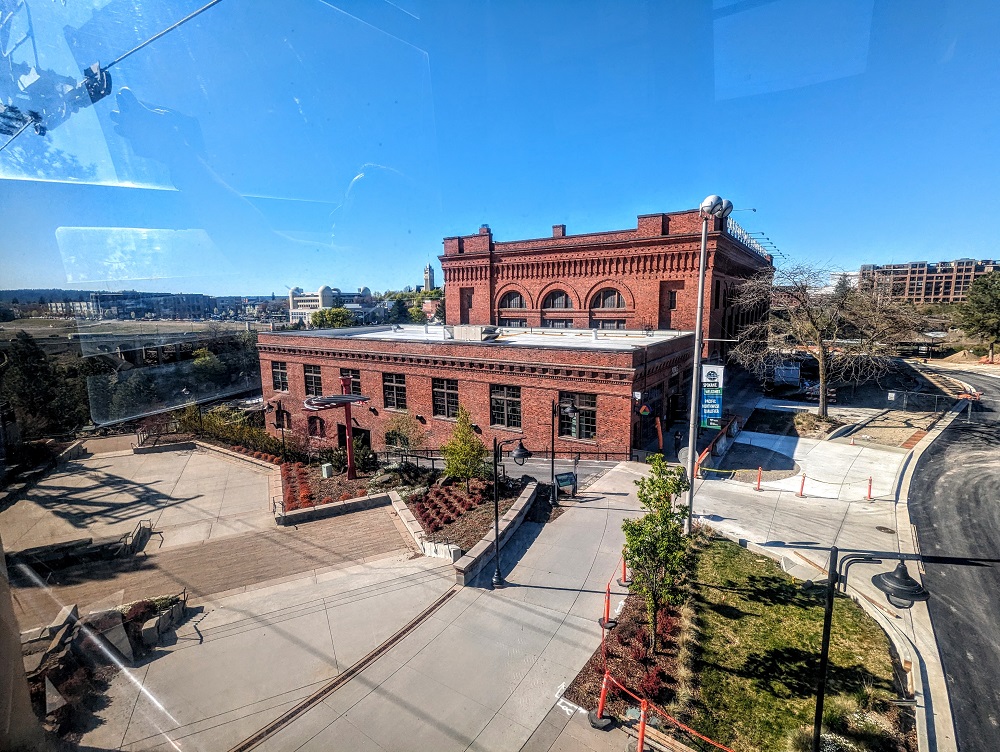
(937, 732)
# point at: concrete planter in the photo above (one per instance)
(481, 554)
(236, 455)
(437, 550)
(162, 623)
(175, 447)
(321, 511)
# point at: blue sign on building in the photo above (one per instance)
(711, 396)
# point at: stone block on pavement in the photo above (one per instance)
(53, 700)
(119, 639)
(151, 632)
(69, 614)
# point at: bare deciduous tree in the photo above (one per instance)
(850, 331)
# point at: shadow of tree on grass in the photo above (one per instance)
(793, 672)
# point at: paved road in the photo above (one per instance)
(954, 506)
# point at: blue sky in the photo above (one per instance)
(311, 143)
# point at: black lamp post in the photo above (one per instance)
(519, 455)
(901, 590)
(568, 407)
(279, 423)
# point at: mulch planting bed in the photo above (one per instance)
(450, 514)
(304, 486)
(629, 661)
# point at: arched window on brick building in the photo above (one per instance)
(317, 426)
(609, 297)
(512, 299)
(557, 299)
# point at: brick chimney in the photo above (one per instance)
(559, 231)
(653, 225)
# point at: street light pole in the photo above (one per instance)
(717, 207)
(569, 409)
(519, 455)
(279, 415)
(901, 590)
(824, 651)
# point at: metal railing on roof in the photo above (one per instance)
(737, 233)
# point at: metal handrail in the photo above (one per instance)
(737, 233)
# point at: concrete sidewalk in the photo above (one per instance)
(245, 658)
(833, 470)
(799, 532)
(487, 670)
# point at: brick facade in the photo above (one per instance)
(660, 370)
(654, 268)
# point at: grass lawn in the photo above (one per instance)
(759, 650)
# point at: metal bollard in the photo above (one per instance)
(760, 473)
(869, 497)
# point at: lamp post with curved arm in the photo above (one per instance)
(566, 407)
(519, 455)
(901, 590)
(718, 208)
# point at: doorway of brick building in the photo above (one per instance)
(668, 301)
(360, 434)
(465, 305)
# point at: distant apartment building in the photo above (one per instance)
(133, 304)
(921, 282)
(79, 309)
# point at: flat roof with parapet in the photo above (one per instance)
(573, 339)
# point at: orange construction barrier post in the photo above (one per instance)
(597, 720)
(642, 726)
(760, 472)
(869, 497)
(802, 487)
(624, 581)
(606, 621)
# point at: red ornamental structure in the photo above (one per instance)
(344, 400)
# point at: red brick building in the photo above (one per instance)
(507, 381)
(643, 278)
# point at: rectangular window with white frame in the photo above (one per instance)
(444, 398)
(314, 381)
(279, 376)
(583, 425)
(394, 391)
(505, 406)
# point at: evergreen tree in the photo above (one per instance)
(979, 316)
(31, 385)
(655, 545)
(465, 453)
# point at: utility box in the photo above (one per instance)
(788, 374)
(326, 470)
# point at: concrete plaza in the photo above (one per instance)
(188, 496)
(482, 672)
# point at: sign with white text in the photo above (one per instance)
(711, 396)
